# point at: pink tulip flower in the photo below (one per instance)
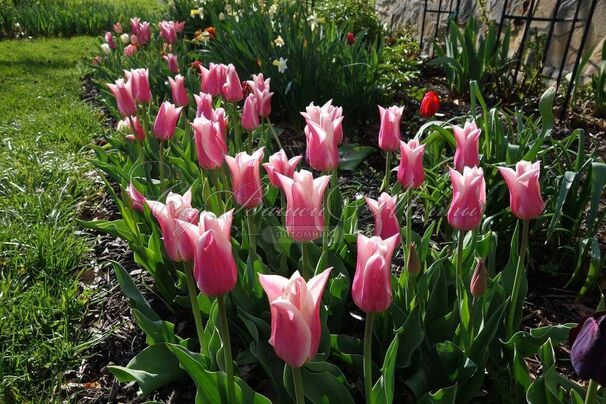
(386, 219)
(263, 101)
(118, 28)
(124, 97)
(410, 170)
(323, 115)
(258, 82)
(304, 200)
(166, 121)
(135, 25)
(215, 268)
(174, 217)
(250, 118)
(136, 197)
(295, 315)
(479, 280)
(389, 134)
(280, 164)
(144, 33)
(213, 78)
(232, 88)
(139, 83)
(468, 146)
(524, 189)
(468, 199)
(204, 105)
(109, 38)
(130, 50)
(246, 179)
(173, 62)
(210, 143)
(132, 128)
(178, 91)
(371, 287)
(169, 30)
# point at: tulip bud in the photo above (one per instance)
(232, 88)
(109, 38)
(430, 104)
(386, 219)
(245, 178)
(413, 264)
(124, 98)
(389, 134)
(350, 38)
(479, 280)
(250, 118)
(172, 61)
(132, 128)
(178, 91)
(118, 28)
(295, 315)
(304, 204)
(588, 348)
(125, 38)
(136, 197)
(210, 143)
(106, 48)
(410, 170)
(468, 199)
(166, 121)
(371, 287)
(468, 146)
(130, 50)
(524, 189)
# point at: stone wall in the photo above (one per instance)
(409, 14)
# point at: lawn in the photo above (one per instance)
(45, 131)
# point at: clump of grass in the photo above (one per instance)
(45, 129)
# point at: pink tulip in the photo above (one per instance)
(304, 200)
(263, 101)
(468, 199)
(479, 280)
(232, 88)
(245, 178)
(323, 115)
(166, 121)
(172, 61)
(178, 91)
(371, 288)
(110, 40)
(132, 128)
(169, 30)
(524, 189)
(174, 218)
(118, 28)
(389, 134)
(280, 164)
(213, 78)
(136, 197)
(144, 33)
(215, 268)
(258, 82)
(210, 143)
(468, 146)
(386, 219)
(295, 315)
(204, 105)
(135, 25)
(130, 50)
(220, 117)
(250, 118)
(124, 98)
(410, 171)
(322, 134)
(139, 83)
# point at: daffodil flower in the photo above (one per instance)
(280, 64)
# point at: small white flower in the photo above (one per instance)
(281, 64)
(221, 16)
(228, 8)
(125, 38)
(105, 47)
(272, 10)
(314, 21)
(279, 41)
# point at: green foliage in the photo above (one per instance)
(69, 17)
(358, 15)
(400, 65)
(45, 179)
(598, 85)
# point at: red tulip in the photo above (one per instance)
(124, 98)
(371, 288)
(524, 189)
(178, 91)
(430, 104)
(410, 170)
(304, 200)
(351, 38)
(166, 121)
(468, 146)
(280, 164)
(389, 134)
(295, 315)
(245, 178)
(468, 200)
(588, 348)
(386, 219)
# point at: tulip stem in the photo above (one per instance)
(252, 240)
(193, 300)
(385, 185)
(273, 132)
(229, 364)
(592, 389)
(517, 282)
(298, 382)
(305, 259)
(408, 221)
(460, 288)
(161, 161)
(368, 357)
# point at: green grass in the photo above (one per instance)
(44, 176)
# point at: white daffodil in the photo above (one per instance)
(279, 42)
(281, 64)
